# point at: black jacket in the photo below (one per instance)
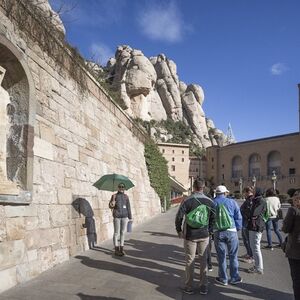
(246, 210)
(188, 205)
(258, 208)
(121, 209)
(291, 225)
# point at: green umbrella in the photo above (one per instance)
(110, 182)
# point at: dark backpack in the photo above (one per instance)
(223, 220)
(198, 217)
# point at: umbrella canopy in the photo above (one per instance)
(110, 182)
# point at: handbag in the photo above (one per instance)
(279, 214)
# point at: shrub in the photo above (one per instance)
(158, 171)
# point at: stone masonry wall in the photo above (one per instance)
(78, 137)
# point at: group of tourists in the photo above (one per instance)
(200, 219)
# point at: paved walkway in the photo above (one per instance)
(152, 269)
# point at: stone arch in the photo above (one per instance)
(254, 165)
(237, 166)
(21, 115)
(274, 162)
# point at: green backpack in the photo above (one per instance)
(266, 215)
(223, 220)
(198, 217)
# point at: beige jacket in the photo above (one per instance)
(273, 206)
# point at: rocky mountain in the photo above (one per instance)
(151, 90)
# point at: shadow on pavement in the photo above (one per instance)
(162, 234)
(89, 297)
(163, 266)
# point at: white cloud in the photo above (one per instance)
(278, 69)
(101, 53)
(162, 22)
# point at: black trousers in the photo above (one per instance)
(295, 273)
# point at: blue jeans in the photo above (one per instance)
(245, 236)
(274, 222)
(255, 238)
(120, 226)
(227, 240)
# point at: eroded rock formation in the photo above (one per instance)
(150, 89)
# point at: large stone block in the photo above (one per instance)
(73, 151)
(43, 149)
(64, 196)
(12, 253)
(21, 211)
(46, 258)
(8, 279)
(39, 238)
(60, 215)
(44, 216)
(15, 228)
(60, 256)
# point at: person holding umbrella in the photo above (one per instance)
(121, 210)
(120, 205)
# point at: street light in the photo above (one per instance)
(254, 181)
(241, 186)
(274, 179)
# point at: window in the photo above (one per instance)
(237, 167)
(223, 177)
(182, 159)
(182, 151)
(173, 158)
(291, 158)
(173, 168)
(292, 171)
(163, 151)
(173, 151)
(274, 163)
(254, 165)
(212, 159)
(223, 166)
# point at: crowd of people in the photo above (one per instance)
(221, 224)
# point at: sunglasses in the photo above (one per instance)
(121, 186)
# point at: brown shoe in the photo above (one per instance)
(117, 251)
(122, 252)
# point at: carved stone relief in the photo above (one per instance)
(6, 186)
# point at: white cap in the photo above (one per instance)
(221, 189)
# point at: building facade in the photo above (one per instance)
(177, 156)
(267, 162)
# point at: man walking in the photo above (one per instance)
(195, 239)
(226, 238)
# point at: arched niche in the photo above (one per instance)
(236, 167)
(254, 165)
(274, 162)
(17, 82)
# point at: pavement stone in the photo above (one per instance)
(152, 269)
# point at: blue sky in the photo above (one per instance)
(245, 54)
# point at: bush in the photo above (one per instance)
(158, 171)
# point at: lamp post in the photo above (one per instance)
(241, 186)
(254, 181)
(274, 179)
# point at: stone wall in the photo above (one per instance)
(79, 135)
